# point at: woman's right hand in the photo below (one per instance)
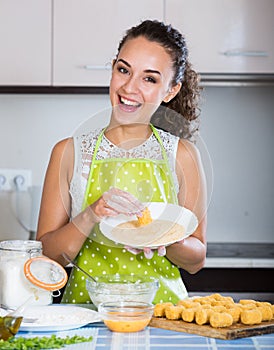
(115, 202)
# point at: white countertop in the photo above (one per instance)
(239, 262)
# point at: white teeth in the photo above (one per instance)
(129, 103)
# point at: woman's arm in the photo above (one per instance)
(190, 253)
(57, 232)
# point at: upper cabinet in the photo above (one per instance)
(25, 39)
(86, 36)
(73, 42)
(227, 36)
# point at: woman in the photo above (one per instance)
(112, 171)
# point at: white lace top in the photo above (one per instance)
(84, 146)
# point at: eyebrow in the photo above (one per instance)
(146, 70)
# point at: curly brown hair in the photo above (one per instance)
(180, 116)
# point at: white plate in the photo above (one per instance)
(159, 211)
(58, 318)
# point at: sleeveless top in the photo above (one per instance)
(150, 176)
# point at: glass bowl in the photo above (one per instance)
(122, 288)
(126, 316)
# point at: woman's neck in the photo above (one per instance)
(128, 136)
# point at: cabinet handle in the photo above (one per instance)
(246, 53)
(97, 67)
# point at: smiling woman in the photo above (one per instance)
(129, 163)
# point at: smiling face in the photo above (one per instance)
(141, 80)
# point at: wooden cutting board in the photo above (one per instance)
(237, 330)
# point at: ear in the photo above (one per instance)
(173, 91)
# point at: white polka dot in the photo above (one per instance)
(92, 180)
(100, 173)
(118, 180)
(124, 266)
(125, 188)
(145, 272)
(147, 165)
(106, 165)
(82, 278)
(126, 172)
(133, 181)
(133, 165)
(99, 264)
(147, 181)
(124, 250)
(116, 259)
(131, 258)
(154, 189)
(81, 293)
(111, 172)
(165, 291)
(111, 266)
(92, 255)
(140, 173)
(104, 257)
(76, 285)
(139, 266)
(98, 188)
(85, 262)
(106, 180)
(102, 243)
(89, 194)
(104, 273)
(109, 250)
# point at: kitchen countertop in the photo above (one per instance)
(155, 339)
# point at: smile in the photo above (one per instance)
(131, 103)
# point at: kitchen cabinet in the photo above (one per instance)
(86, 36)
(227, 36)
(25, 39)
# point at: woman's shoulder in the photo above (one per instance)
(166, 135)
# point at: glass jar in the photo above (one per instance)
(15, 288)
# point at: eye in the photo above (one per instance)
(151, 80)
(122, 69)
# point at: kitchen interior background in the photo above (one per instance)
(237, 127)
(237, 120)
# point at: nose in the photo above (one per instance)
(131, 84)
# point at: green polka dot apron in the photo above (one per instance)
(149, 181)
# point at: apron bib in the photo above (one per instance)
(149, 181)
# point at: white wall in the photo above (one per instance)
(237, 128)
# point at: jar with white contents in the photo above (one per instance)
(17, 285)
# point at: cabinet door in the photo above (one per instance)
(226, 36)
(87, 33)
(25, 39)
